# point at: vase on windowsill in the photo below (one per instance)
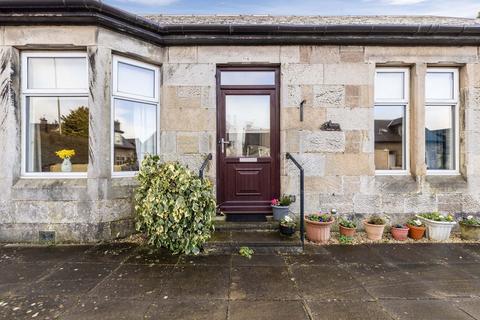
(66, 165)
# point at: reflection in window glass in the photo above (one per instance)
(135, 133)
(57, 73)
(248, 125)
(439, 137)
(389, 137)
(56, 123)
(439, 86)
(233, 78)
(136, 80)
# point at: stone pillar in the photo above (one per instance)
(99, 101)
(417, 121)
(10, 114)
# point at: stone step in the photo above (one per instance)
(223, 225)
(228, 242)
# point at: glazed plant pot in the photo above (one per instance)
(279, 212)
(287, 231)
(469, 232)
(416, 233)
(347, 232)
(438, 230)
(318, 231)
(374, 231)
(399, 234)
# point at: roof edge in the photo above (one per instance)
(95, 12)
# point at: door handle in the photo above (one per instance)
(223, 142)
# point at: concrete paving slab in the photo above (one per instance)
(168, 309)
(206, 260)
(262, 283)
(424, 309)
(34, 307)
(267, 310)
(107, 309)
(470, 306)
(347, 310)
(259, 260)
(354, 254)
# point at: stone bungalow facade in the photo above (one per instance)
(113, 86)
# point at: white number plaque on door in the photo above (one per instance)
(248, 159)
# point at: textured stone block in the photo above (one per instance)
(348, 73)
(193, 120)
(343, 203)
(289, 54)
(322, 141)
(168, 142)
(313, 118)
(328, 96)
(392, 203)
(313, 164)
(205, 142)
(351, 119)
(355, 140)
(50, 35)
(359, 96)
(182, 54)
(188, 74)
(349, 164)
(330, 184)
(352, 54)
(319, 54)
(421, 54)
(296, 73)
(420, 203)
(187, 144)
(182, 96)
(366, 203)
(291, 141)
(450, 203)
(233, 54)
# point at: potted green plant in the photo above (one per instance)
(347, 227)
(439, 226)
(399, 232)
(416, 229)
(280, 207)
(470, 228)
(374, 227)
(287, 225)
(318, 227)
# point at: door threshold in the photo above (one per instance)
(243, 217)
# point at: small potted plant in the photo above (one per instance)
(439, 226)
(287, 225)
(470, 228)
(318, 227)
(416, 229)
(347, 227)
(399, 232)
(65, 155)
(280, 207)
(374, 227)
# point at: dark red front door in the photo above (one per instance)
(248, 139)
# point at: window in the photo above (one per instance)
(441, 121)
(135, 113)
(391, 120)
(55, 113)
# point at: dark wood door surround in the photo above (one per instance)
(246, 184)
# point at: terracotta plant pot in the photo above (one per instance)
(469, 232)
(399, 234)
(318, 231)
(374, 231)
(347, 232)
(416, 233)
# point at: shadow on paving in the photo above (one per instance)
(125, 281)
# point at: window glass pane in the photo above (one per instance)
(54, 124)
(439, 137)
(390, 86)
(136, 80)
(57, 73)
(248, 78)
(439, 86)
(135, 133)
(248, 125)
(389, 137)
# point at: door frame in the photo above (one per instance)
(275, 130)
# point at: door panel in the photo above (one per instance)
(248, 149)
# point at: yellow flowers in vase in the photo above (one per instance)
(66, 154)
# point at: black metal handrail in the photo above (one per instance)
(204, 164)
(302, 206)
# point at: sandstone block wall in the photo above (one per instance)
(335, 81)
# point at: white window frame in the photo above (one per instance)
(398, 102)
(27, 93)
(134, 98)
(456, 121)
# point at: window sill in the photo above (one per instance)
(54, 176)
(392, 173)
(443, 173)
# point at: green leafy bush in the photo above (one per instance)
(347, 223)
(377, 220)
(436, 216)
(174, 207)
(470, 221)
